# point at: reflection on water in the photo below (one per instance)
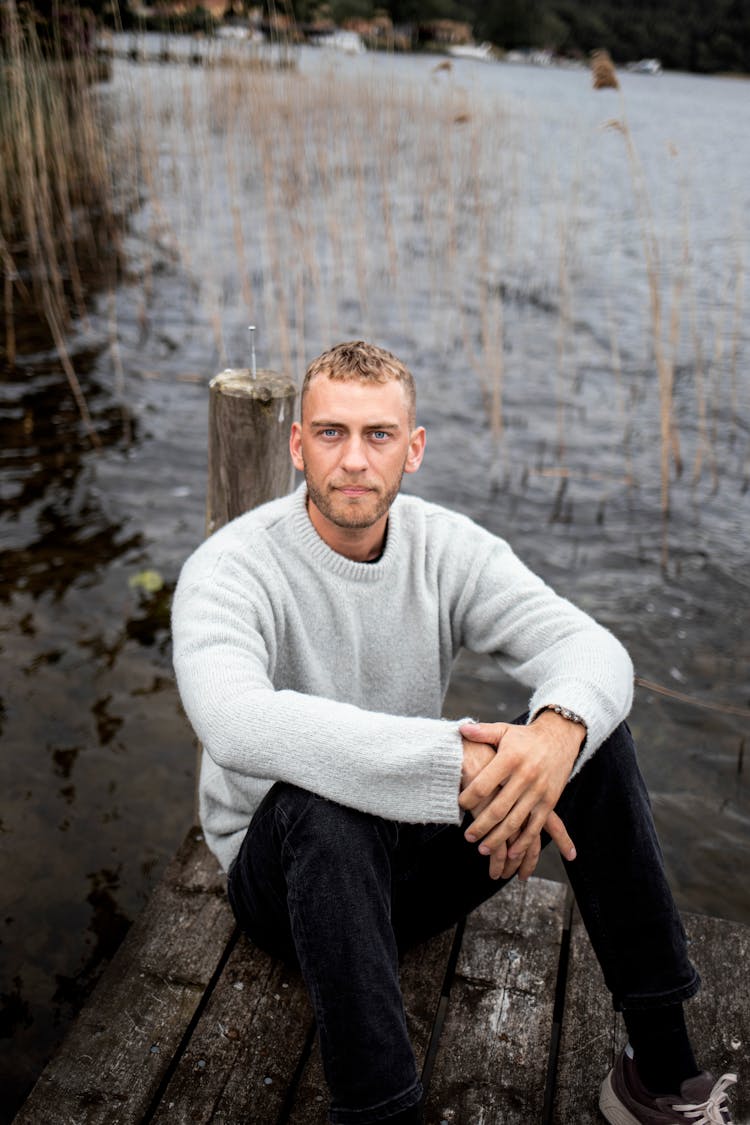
(97, 762)
(74, 694)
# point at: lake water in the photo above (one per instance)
(483, 223)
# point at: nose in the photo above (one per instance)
(354, 455)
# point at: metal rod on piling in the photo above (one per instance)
(251, 330)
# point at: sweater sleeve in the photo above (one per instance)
(545, 642)
(401, 768)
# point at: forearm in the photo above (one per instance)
(397, 767)
(594, 680)
(540, 639)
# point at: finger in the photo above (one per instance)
(528, 864)
(490, 733)
(524, 862)
(511, 867)
(504, 830)
(486, 783)
(506, 814)
(498, 859)
(559, 834)
(474, 813)
(531, 832)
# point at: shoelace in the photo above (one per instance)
(710, 1112)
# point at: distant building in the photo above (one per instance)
(379, 34)
(175, 8)
(447, 33)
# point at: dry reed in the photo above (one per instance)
(662, 323)
(57, 204)
(321, 205)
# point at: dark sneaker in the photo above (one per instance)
(701, 1100)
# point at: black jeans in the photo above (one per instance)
(341, 892)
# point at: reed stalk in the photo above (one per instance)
(53, 172)
(345, 206)
(10, 327)
(702, 448)
(734, 343)
(604, 77)
(563, 331)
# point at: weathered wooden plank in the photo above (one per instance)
(245, 1048)
(491, 1066)
(591, 1035)
(422, 975)
(718, 1018)
(113, 1060)
(422, 978)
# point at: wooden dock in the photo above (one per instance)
(508, 1014)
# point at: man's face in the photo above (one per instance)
(354, 444)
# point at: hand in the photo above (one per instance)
(512, 796)
(476, 756)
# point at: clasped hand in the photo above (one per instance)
(512, 779)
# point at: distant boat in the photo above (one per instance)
(483, 51)
(645, 66)
(531, 56)
(240, 33)
(232, 31)
(348, 41)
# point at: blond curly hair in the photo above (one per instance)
(358, 360)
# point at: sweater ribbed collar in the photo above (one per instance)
(318, 550)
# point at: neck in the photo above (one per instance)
(360, 544)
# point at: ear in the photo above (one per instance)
(295, 446)
(416, 450)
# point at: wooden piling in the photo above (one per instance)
(248, 442)
(249, 417)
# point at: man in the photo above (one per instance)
(313, 642)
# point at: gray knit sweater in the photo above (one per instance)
(295, 663)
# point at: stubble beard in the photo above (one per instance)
(352, 514)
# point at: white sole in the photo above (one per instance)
(612, 1107)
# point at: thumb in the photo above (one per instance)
(490, 733)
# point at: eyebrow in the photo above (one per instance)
(323, 423)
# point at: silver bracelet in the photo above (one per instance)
(564, 712)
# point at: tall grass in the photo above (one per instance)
(666, 307)
(58, 203)
(324, 204)
(338, 206)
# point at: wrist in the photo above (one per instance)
(565, 722)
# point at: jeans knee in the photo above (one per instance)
(330, 826)
(611, 774)
(617, 753)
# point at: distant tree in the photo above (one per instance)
(60, 29)
(511, 23)
(351, 9)
(690, 34)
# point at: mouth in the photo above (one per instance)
(353, 491)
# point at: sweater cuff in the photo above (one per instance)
(445, 776)
(598, 714)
